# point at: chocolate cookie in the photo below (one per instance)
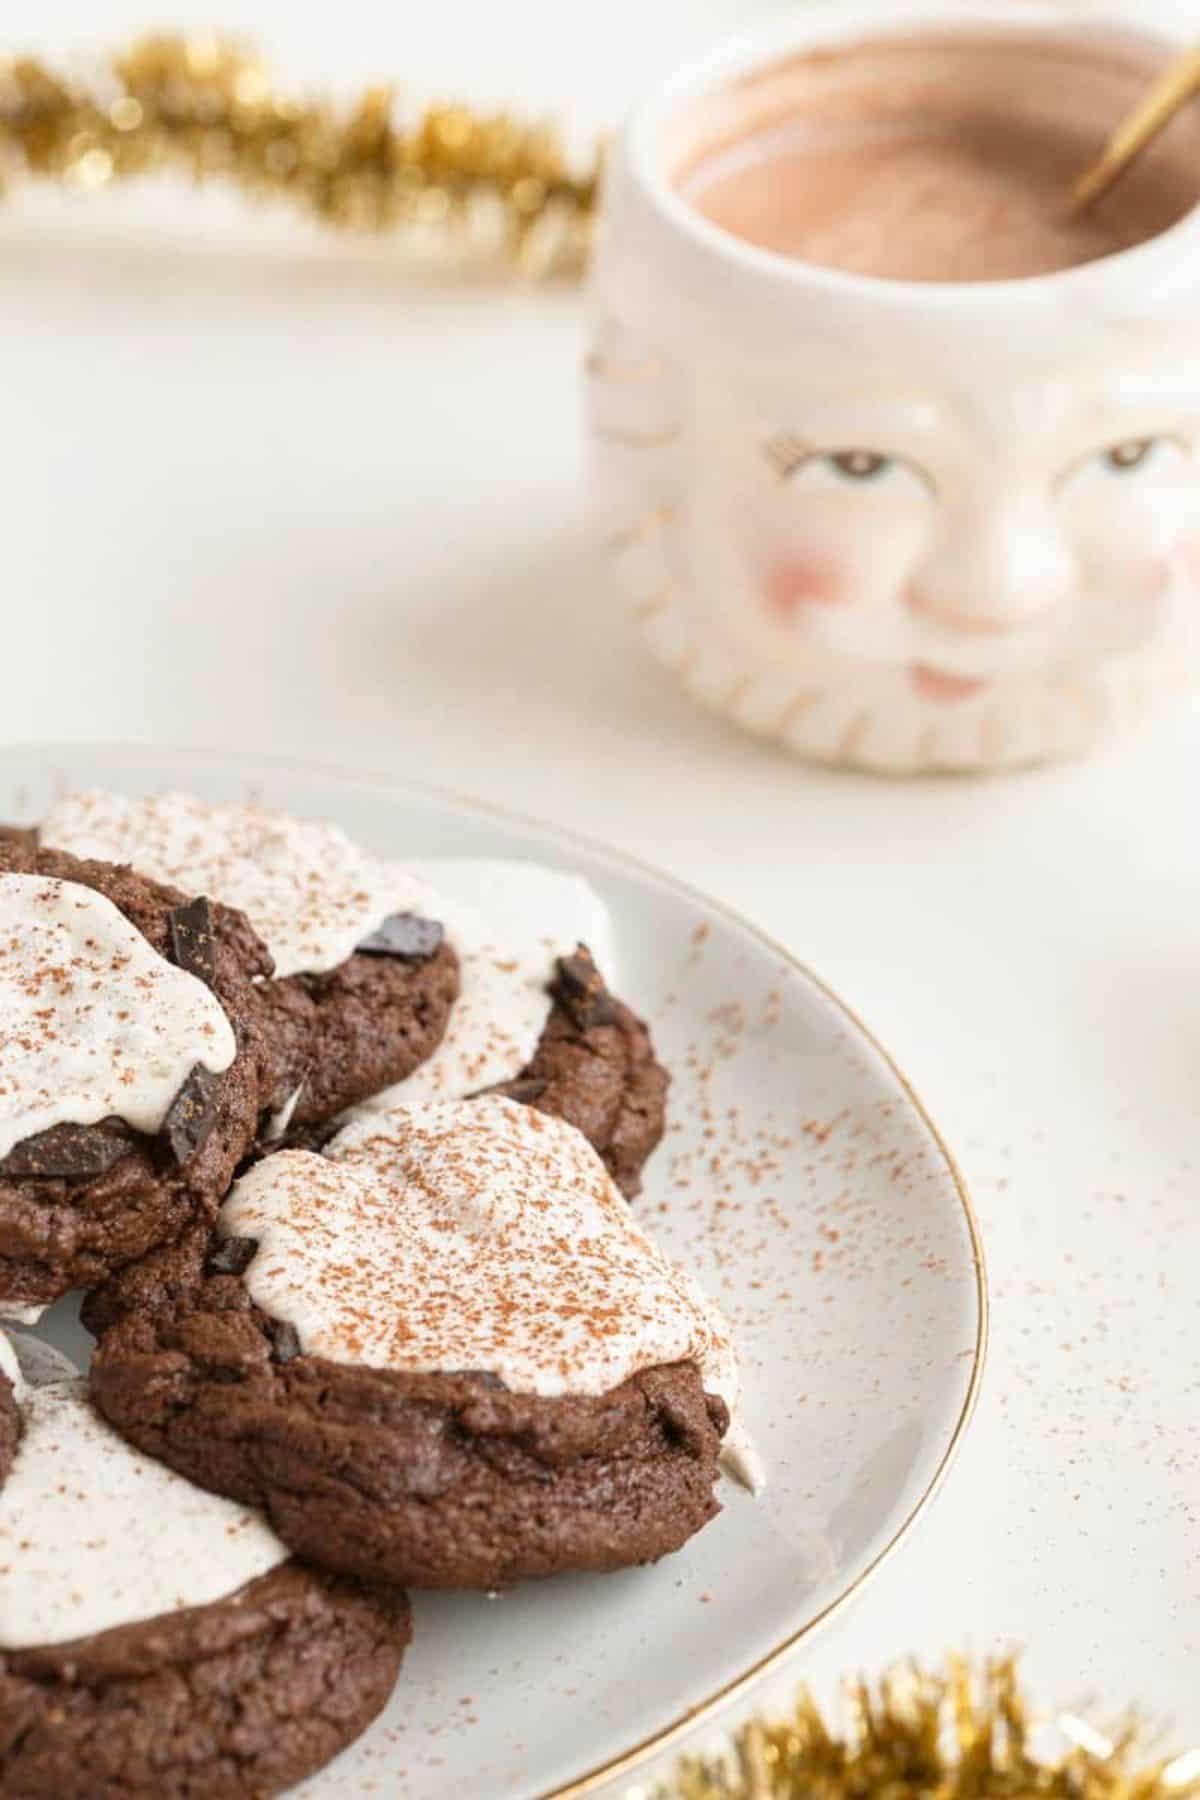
(595, 1067)
(339, 1037)
(439, 1480)
(363, 980)
(109, 979)
(537, 1026)
(233, 1701)
(187, 1687)
(440, 1355)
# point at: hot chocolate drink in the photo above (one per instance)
(932, 159)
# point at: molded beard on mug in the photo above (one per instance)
(860, 712)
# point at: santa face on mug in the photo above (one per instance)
(948, 571)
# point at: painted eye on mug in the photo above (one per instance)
(792, 459)
(1132, 454)
(1127, 459)
(860, 465)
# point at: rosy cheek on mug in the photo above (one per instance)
(802, 581)
(1156, 577)
(1187, 558)
(1149, 580)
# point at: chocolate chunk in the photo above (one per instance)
(406, 935)
(526, 1089)
(68, 1152)
(317, 1140)
(483, 1375)
(191, 1114)
(285, 1340)
(231, 1255)
(579, 988)
(193, 947)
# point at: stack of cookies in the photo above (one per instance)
(340, 1152)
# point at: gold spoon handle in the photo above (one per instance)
(1177, 84)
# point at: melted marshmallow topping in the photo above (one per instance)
(10, 1366)
(93, 1021)
(310, 893)
(95, 1535)
(37, 1362)
(313, 896)
(16, 1312)
(478, 1235)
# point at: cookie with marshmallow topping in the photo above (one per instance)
(132, 1067)
(363, 978)
(535, 1018)
(439, 1354)
(430, 980)
(155, 1639)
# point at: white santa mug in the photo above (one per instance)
(898, 522)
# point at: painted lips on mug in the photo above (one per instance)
(900, 457)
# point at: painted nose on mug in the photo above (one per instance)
(993, 573)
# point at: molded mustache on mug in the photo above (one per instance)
(892, 634)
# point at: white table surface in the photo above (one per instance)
(259, 491)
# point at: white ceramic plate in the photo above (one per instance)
(803, 1183)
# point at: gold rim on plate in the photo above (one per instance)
(626, 1762)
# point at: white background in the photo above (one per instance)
(260, 491)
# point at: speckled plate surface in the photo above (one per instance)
(803, 1183)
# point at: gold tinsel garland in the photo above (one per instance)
(201, 107)
(204, 108)
(918, 1736)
